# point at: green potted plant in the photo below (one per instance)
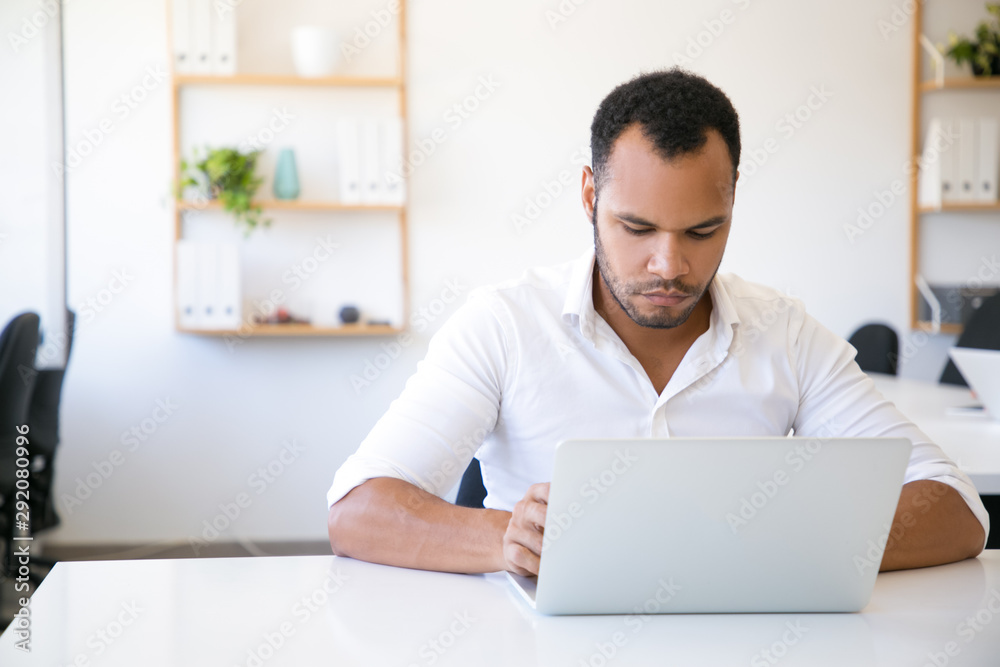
(982, 52)
(227, 175)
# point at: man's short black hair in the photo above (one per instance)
(674, 109)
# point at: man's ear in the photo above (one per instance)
(588, 193)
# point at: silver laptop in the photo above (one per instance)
(981, 369)
(685, 525)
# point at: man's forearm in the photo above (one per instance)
(392, 522)
(933, 525)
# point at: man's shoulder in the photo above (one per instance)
(535, 299)
(756, 302)
(746, 293)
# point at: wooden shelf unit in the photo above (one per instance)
(961, 208)
(286, 80)
(920, 87)
(293, 205)
(296, 329)
(959, 83)
(397, 82)
(946, 327)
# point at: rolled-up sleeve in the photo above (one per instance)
(431, 432)
(839, 400)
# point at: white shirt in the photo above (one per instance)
(527, 363)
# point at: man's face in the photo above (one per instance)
(661, 227)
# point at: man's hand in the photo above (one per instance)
(522, 543)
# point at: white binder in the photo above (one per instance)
(201, 36)
(391, 162)
(968, 160)
(949, 161)
(208, 285)
(229, 305)
(989, 159)
(224, 40)
(181, 27)
(188, 313)
(371, 183)
(929, 178)
(348, 166)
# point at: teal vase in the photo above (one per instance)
(286, 176)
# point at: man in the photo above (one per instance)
(638, 338)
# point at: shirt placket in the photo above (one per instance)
(706, 354)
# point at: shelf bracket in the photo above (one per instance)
(932, 301)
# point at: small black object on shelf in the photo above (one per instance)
(350, 315)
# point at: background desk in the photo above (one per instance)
(972, 441)
(324, 610)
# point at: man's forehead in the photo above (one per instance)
(635, 156)
(640, 179)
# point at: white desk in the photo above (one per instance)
(972, 441)
(224, 612)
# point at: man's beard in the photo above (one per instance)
(623, 292)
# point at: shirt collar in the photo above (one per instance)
(578, 307)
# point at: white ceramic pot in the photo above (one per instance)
(314, 51)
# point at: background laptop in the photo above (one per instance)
(637, 526)
(981, 369)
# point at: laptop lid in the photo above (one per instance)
(981, 369)
(717, 524)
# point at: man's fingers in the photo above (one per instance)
(521, 560)
(530, 512)
(523, 539)
(533, 513)
(539, 492)
(525, 536)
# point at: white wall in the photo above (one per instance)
(32, 261)
(236, 407)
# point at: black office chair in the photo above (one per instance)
(878, 348)
(18, 346)
(43, 422)
(982, 331)
(471, 491)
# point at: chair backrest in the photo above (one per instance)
(878, 348)
(982, 332)
(471, 491)
(43, 410)
(18, 346)
(43, 419)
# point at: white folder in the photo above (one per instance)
(371, 183)
(989, 159)
(228, 293)
(391, 162)
(348, 154)
(201, 36)
(949, 161)
(968, 160)
(224, 40)
(181, 26)
(188, 312)
(208, 285)
(929, 179)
